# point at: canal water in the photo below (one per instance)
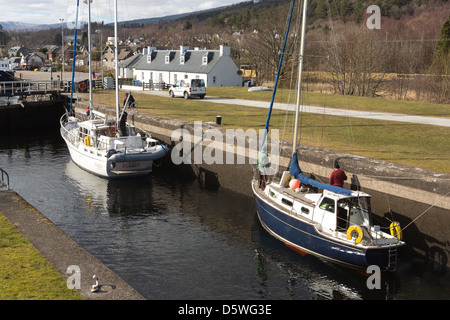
(170, 238)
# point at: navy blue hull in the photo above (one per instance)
(304, 237)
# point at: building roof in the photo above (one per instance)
(156, 60)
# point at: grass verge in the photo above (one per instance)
(422, 146)
(25, 274)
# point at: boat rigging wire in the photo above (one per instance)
(266, 127)
(432, 206)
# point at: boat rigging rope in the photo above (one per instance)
(422, 213)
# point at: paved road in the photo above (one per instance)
(445, 122)
(434, 121)
(42, 76)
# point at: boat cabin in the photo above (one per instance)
(329, 210)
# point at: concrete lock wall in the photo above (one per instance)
(415, 197)
(31, 115)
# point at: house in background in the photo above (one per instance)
(215, 67)
(124, 52)
(18, 51)
(32, 60)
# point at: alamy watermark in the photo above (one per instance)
(233, 146)
(74, 280)
(373, 21)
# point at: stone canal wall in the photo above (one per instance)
(32, 115)
(415, 197)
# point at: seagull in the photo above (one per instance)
(96, 286)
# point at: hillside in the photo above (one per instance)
(391, 61)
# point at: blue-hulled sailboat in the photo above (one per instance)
(334, 223)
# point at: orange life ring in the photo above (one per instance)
(82, 86)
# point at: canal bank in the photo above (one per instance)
(415, 197)
(67, 257)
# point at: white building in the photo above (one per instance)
(215, 67)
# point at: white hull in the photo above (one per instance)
(110, 157)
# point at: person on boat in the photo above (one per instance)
(337, 177)
(130, 98)
(122, 125)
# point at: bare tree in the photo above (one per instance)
(357, 61)
(264, 46)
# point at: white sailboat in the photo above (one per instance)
(109, 148)
(333, 223)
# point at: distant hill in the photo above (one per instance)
(21, 26)
(165, 18)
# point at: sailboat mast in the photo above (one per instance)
(116, 63)
(73, 56)
(300, 70)
(90, 59)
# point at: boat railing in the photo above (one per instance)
(72, 137)
(4, 182)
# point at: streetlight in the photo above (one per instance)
(101, 49)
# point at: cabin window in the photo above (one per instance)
(304, 210)
(327, 204)
(286, 201)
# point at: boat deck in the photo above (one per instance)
(299, 196)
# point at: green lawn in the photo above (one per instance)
(414, 145)
(24, 273)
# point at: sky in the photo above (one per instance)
(51, 11)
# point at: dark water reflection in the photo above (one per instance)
(171, 239)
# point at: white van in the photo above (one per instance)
(188, 89)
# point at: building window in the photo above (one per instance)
(205, 59)
(182, 59)
(214, 79)
(149, 58)
(167, 59)
(175, 78)
(186, 76)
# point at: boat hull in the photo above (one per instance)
(117, 165)
(305, 238)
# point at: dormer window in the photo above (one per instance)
(182, 59)
(149, 58)
(167, 59)
(205, 59)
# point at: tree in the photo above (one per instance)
(440, 66)
(187, 25)
(357, 62)
(266, 45)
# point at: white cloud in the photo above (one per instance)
(51, 11)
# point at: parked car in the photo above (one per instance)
(188, 89)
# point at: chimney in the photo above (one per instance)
(224, 50)
(183, 49)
